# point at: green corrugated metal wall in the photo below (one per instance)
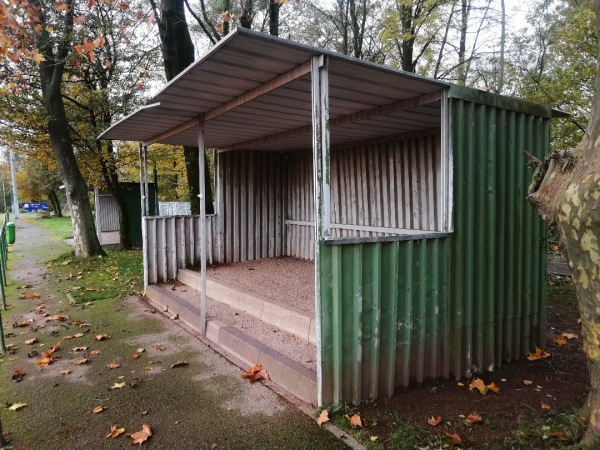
(398, 313)
(131, 192)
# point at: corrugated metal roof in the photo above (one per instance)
(280, 119)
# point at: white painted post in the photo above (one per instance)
(143, 211)
(97, 207)
(321, 176)
(202, 196)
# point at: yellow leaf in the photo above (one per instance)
(17, 406)
(374, 438)
(95, 352)
(538, 354)
(113, 365)
(118, 385)
(114, 431)
(323, 417)
(493, 387)
(478, 383)
(142, 435)
(569, 335)
(98, 409)
(81, 361)
(560, 340)
(355, 421)
(49, 29)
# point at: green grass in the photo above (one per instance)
(60, 227)
(561, 289)
(96, 278)
(557, 431)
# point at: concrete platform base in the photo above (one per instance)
(287, 373)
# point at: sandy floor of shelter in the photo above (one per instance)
(286, 280)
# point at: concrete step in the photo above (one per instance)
(287, 318)
(287, 373)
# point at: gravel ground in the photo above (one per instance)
(285, 343)
(287, 280)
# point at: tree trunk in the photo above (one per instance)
(51, 74)
(55, 202)
(566, 191)
(274, 17)
(408, 39)
(178, 53)
(462, 48)
(502, 45)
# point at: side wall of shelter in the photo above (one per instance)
(398, 313)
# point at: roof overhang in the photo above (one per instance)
(253, 91)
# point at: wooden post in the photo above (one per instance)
(144, 225)
(202, 196)
(321, 172)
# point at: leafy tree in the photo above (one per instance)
(565, 190)
(555, 64)
(40, 181)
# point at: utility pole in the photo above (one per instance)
(13, 176)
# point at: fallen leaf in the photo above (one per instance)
(179, 364)
(256, 372)
(45, 361)
(113, 365)
(494, 387)
(374, 438)
(455, 438)
(101, 337)
(557, 434)
(114, 431)
(118, 385)
(478, 384)
(538, 354)
(569, 336)
(160, 347)
(31, 341)
(355, 421)
(17, 406)
(174, 317)
(527, 382)
(79, 349)
(545, 406)
(560, 340)
(78, 335)
(18, 375)
(65, 372)
(58, 317)
(460, 384)
(142, 435)
(323, 417)
(98, 409)
(20, 324)
(81, 361)
(472, 418)
(135, 356)
(434, 421)
(95, 352)
(141, 350)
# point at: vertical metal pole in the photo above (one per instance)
(202, 190)
(4, 194)
(147, 196)
(97, 207)
(320, 128)
(143, 212)
(13, 176)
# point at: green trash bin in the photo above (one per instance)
(10, 232)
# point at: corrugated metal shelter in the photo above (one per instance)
(408, 192)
